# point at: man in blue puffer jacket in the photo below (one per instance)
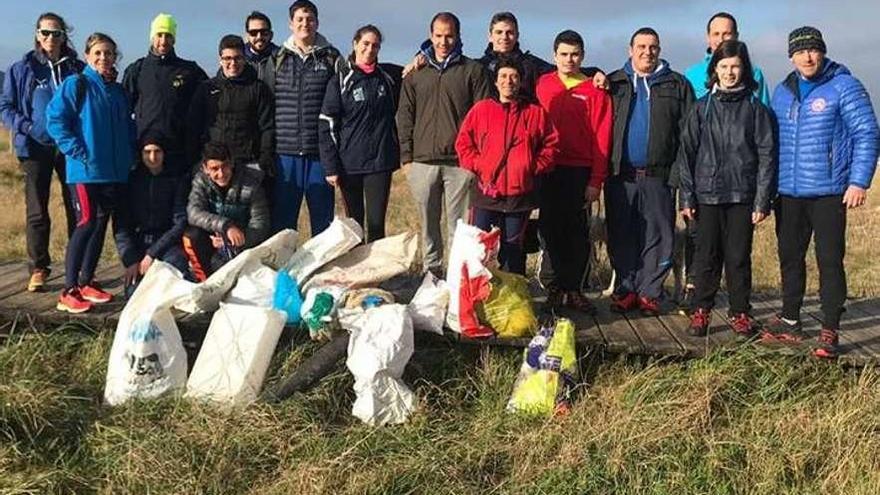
(828, 148)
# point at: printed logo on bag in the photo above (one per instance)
(818, 105)
(359, 94)
(144, 370)
(144, 331)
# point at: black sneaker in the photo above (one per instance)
(779, 331)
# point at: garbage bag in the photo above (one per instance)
(274, 252)
(472, 253)
(318, 311)
(370, 264)
(340, 237)
(236, 353)
(147, 358)
(255, 286)
(428, 307)
(508, 309)
(379, 348)
(287, 297)
(548, 373)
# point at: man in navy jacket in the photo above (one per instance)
(828, 147)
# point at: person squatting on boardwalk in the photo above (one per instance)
(28, 86)
(358, 135)
(828, 147)
(506, 141)
(727, 174)
(89, 119)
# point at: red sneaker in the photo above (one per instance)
(93, 293)
(699, 326)
(621, 303)
(743, 325)
(72, 302)
(649, 306)
(826, 347)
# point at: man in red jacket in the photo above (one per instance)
(506, 142)
(582, 115)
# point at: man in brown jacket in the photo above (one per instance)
(433, 103)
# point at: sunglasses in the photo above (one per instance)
(54, 33)
(230, 60)
(259, 32)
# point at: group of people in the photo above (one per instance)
(222, 163)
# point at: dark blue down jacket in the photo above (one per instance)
(828, 140)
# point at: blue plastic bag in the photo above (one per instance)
(287, 297)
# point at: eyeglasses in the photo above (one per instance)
(259, 32)
(229, 60)
(54, 33)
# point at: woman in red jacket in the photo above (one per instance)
(506, 142)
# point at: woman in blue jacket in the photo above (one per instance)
(358, 135)
(89, 119)
(28, 86)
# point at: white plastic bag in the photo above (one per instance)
(255, 286)
(236, 353)
(380, 346)
(472, 253)
(428, 307)
(339, 238)
(274, 252)
(147, 358)
(370, 264)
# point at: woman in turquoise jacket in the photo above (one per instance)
(89, 120)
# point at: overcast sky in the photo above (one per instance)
(848, 27)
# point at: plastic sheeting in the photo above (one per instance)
(370, 264)
(379, 348)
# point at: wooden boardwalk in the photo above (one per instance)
(634, 334)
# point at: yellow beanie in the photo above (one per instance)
(163, 23)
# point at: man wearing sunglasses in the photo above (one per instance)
(160, 88)
(259, 49)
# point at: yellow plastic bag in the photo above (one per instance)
(536, 394)
(508, 310)
(562, 346)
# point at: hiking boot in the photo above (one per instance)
(649, 306)
(621, 303)
(72, 302)
(555, 298)
(38, 280)
(699, 326)
(577, 301)
(780, 331)
(743, 326)
(93, 293)
(826, 346)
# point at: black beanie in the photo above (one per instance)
(152, 137)
(805, 38)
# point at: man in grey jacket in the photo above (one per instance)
(433, 103)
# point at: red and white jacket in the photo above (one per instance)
(490, 128)
(583, 117)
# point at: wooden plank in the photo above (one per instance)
(721, 334)
(654, 335)
(587, 331)
(677, 325)
(14, 277)
(617, 332)
(867, 328)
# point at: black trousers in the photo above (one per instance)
(365, 198)
(724, 240)
(38, 170)
(563, 225)
(94, 204)
(797, 220)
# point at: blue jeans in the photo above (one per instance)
(300, 176)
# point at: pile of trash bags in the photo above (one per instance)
(330, 284)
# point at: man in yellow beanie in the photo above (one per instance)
(160, 88)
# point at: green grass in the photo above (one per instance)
(743, 422)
